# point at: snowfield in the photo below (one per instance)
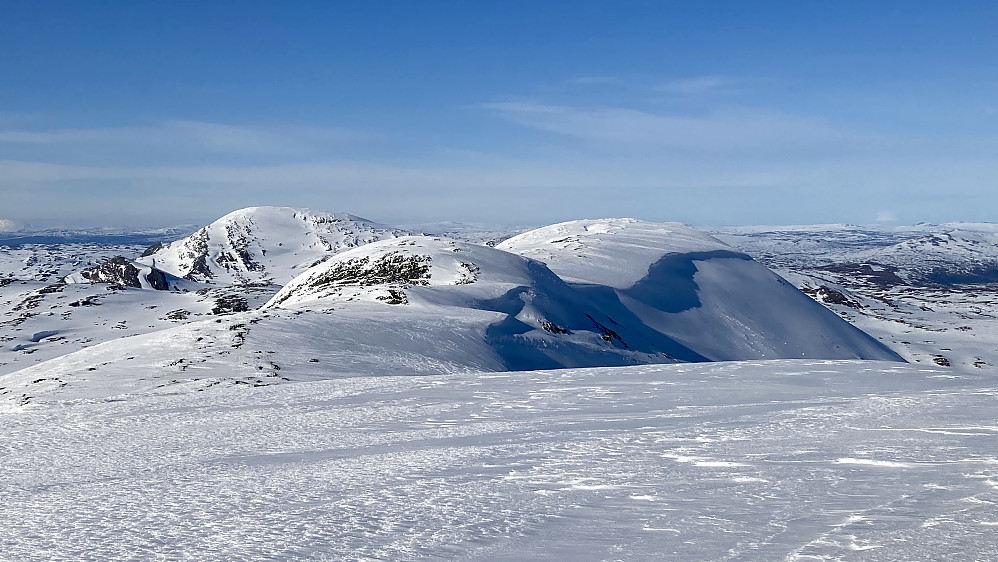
(796, 460)
(290, 384)
(927, 291)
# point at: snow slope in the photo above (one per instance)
(611, 252)
(263, 245)
(536, 320)
(781, 460)
(41, 321)
(928, 291)
(695, 289)
(435, 305)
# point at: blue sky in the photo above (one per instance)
(141, 113)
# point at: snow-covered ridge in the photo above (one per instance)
(359, 459)
(400, 264)
(526, 313)
(611, 252)
(263, 245)
(585, 293)
(695, 289)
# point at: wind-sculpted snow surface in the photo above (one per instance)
(784, 460)
(611, 252)
(527, 314)
(695, 290)
(263, 245)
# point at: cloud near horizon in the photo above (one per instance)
(181, 137)
(699, 167)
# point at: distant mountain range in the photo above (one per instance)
(277, 293)
(101, 235)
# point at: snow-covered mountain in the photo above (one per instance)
(263, 245)
(949, 257)
(920, 255)
(695, 289)
(529, 316)
(927, 290)
(613, 292)
(405, 434)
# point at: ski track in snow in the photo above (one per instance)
(798, 460)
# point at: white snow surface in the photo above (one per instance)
(264, 245)
(611, 252)
(927, 291)
(142, 424)
(781, 460)
(484, 272)
(695, 289)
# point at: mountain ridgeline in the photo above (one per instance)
(263, 245)
(277, 294)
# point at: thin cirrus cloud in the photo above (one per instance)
(185, 136)
(749, 132)
(688, 86)
(453, 177)
(699, 85)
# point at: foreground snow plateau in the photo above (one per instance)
(755, 460)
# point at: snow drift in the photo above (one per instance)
(694, 289)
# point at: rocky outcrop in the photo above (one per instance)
(120, 271)
(263, 245)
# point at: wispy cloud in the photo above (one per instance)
(189, 135)
(698, 85)
(733, 132)
(712, 85)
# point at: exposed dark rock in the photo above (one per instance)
(394, 267)
(116, 270)
(549, 326)
(197, 252)
(394, 296)
(199, 270)
(829, 295)
(876, 274)
(119, 271)
(228, 304)
(157, 279)
(152, 249)
(607, 334)
(979, 274)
